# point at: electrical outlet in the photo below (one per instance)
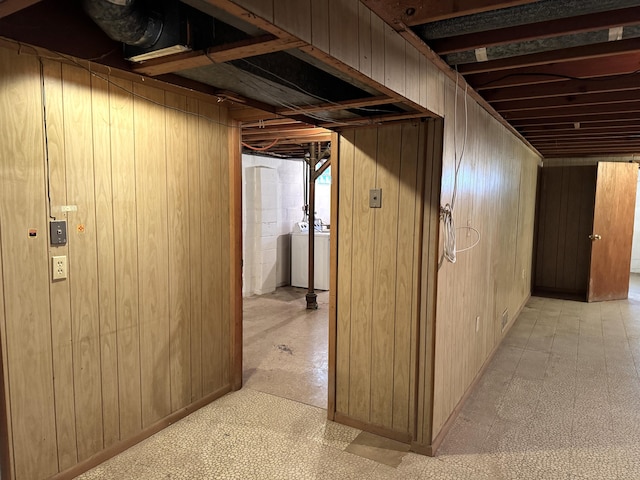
(477, 324)
(59, 267)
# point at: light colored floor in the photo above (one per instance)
(560, 400)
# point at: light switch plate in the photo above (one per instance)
(375, 198)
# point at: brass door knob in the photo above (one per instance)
(595, 237)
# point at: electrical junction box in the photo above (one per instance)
(58, 232)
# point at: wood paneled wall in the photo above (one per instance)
(378, 275)
(565, 220)
(496, 195)
(141, 327)
(348, 31)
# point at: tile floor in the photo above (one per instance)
(560, 400)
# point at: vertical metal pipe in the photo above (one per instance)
(312, 303)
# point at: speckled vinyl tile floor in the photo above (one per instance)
(560, 400)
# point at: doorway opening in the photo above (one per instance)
(285, 344)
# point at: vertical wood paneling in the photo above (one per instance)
(394, 60)
(364, 39)
(179, 279)
(153, 250)
(366, 141)
(412, 74)
(59, 291)
(384, 272)
(126, 256)
(83, 261)
(377, 49)
(92, 360)
(409, 198)
(25, 269)
(224, 226)
(345, 253)
(195, 247)
(211, 236)
(378, 276)
(320, 24)
(343, 32)
(294, 16)
(106, 261)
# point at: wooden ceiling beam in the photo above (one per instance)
(618, 64)
(610, 98)
(565, 87)
(584, 133)
(553, 112)
(595, 126)
(582, 52)
(8, 7)
(582, 119)
(222, 53)
(590, 150)
(344, 105)
(417, 12)
(536, 31)
(370, 121)
(260, 134)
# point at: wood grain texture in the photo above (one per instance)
(320, 24)
(294, 16)
(106, 260)
(210, 256)
(343, 31)
(565, 220)
(377, 294)
(385, 275)
(101, 358)
(153, 249)
(61, 331)
(333, 280)
(345, 179)
(613, 220)
(364, 39)
(179, 279)
(366, 141)
(26, 269)
(83, 261)
(126, 256)
(484, 281)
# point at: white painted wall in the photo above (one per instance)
(272, 199)
(635, 249)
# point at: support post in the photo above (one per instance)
(312, 298)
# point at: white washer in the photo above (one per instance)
(300, 260)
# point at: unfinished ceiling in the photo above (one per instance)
(563, 73)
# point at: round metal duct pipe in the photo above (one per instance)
(125, 21)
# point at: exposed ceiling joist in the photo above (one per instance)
(584, 52)
(546, 29)
(608, 98)
(577, 119)
(346, 104)
(554, 112)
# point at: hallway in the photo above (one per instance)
(560, 400)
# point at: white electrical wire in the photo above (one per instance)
(446, 213)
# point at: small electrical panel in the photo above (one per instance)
(375, 198)
(59, 267)
(58, 232)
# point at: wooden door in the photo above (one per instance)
(612, 231)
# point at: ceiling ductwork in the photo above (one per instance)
(125, 21)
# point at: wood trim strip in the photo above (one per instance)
(120, 447)
(223, 53)
(437, 441)
(327, 107)
(333, 275)
(235, 215)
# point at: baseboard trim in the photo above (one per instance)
(437, 441)
(123, 445)
(403, 437)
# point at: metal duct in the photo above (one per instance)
(125, 21)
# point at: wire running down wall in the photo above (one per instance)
(140, 329)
